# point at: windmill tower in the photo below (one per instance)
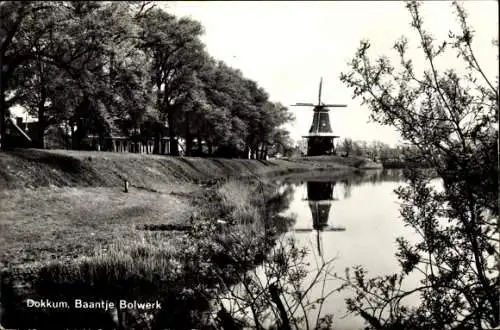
(320, 139)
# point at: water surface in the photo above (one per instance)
(353, 218)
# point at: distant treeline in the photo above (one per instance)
(111, 68)
(398, 156)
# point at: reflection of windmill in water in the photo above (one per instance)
(320, 198)
(320, 140)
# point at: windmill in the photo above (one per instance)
(320, 198)
(320, 140)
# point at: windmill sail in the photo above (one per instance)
(320, 106)
(334, 105)
(303, 105)
(319, 243)
(319, 95)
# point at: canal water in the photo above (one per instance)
(352, 218)
(344, 219)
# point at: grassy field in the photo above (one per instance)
(57, 222)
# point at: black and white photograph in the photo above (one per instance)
(267, 165)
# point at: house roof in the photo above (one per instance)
(19, 129)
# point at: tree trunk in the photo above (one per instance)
(82, 127)
(77, 136)
(275, 296)
(41, 126)
(200, 145)
(189, 146)
(174, 148)
(160, 149)
(189, 137)
(246, 151)
(156, 143)
(42, 123)
(210, 148)
(261, 153)
(138, 142)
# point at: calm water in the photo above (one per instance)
(354, 219)
(351, 218)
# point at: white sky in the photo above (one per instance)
(286, 46)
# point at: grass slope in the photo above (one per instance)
(58, 203)
(28, 168)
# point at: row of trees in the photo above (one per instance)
(373, 149)
(106, 67)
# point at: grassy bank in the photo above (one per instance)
(180, 269)
(31, 168)
(63, 222)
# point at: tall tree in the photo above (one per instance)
(16, 21)
(451, 118)
(347, 145)
(215, 120)
(224, 125)
(176, 51)
(109, 73)
(272, 117)
(80, 61)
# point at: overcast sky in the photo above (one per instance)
(287, 46)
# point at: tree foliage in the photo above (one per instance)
(128, 68)
(78, 64)
(451, 118)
